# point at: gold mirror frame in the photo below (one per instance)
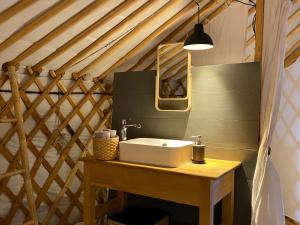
(187, 98)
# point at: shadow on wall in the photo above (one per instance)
(286, 141)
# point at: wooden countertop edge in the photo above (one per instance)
(234, 165)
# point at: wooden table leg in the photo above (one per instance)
(89, 204)
(227, 209)
(206, 214)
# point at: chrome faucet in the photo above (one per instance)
(124, 129)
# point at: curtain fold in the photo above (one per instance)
(267, 206)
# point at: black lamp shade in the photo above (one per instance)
(198, 40)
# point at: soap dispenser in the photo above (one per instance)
(198, 150)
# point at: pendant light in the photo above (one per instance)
(198, 40)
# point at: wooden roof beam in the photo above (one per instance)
(292, 56)
(15, 9)
(115, 48)
(83, 34)
(291, 20)
(35, 22)
(294, 16)
(180, 71)
(105, 37)
(290, 35)
(189, 22)
(169, 23)
(171, 58)
(58, 30)
(179, 65)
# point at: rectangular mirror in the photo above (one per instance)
(173, 80)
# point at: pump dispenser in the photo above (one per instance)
(198, 150)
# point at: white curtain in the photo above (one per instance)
(267, 206)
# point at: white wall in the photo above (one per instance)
(286, 141)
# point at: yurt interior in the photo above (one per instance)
(149, 112)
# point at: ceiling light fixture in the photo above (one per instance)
(198, 40)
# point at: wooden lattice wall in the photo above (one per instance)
(72, 124)
(88, 103)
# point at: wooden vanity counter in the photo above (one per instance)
(200, 185)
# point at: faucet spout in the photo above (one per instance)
(124, 128)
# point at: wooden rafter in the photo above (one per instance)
(291, 20)
(174, 69)
(129, 36)
(64, 183)
(35, 22)
(105, 37)
(173, 56)
(188, 23)
(148, 39)
(110, 15)
(294, 16)
(295, 31)
(293, 54)
(58, 30)
(15, 9)
(180, 71)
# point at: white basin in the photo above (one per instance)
(160, 152)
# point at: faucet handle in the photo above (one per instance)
(124, 121)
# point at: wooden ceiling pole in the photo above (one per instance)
(291, 20)
(15, 9)
(168, 24)
(130, 36)
(169, 73)
(58, 30)
(292, 54)
(189, 22)
(294, 16)
(35, 22)
(105, 37)
(290, 35)
(173, 56)
(259, 30)
(83, 34)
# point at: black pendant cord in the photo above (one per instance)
(252, 4)
(245, 3)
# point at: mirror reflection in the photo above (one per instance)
(172, 70)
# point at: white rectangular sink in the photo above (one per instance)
(160, 152)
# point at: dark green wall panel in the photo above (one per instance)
(225, 110)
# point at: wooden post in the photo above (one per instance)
(23, 143)
(259, 30)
